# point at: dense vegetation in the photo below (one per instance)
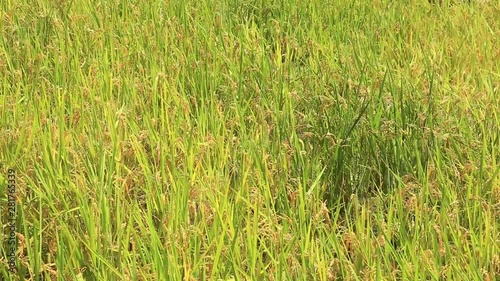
(251, 140)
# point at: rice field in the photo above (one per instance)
(250, 140)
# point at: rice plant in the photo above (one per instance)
(250, 140)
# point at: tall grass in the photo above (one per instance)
(252, 140)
